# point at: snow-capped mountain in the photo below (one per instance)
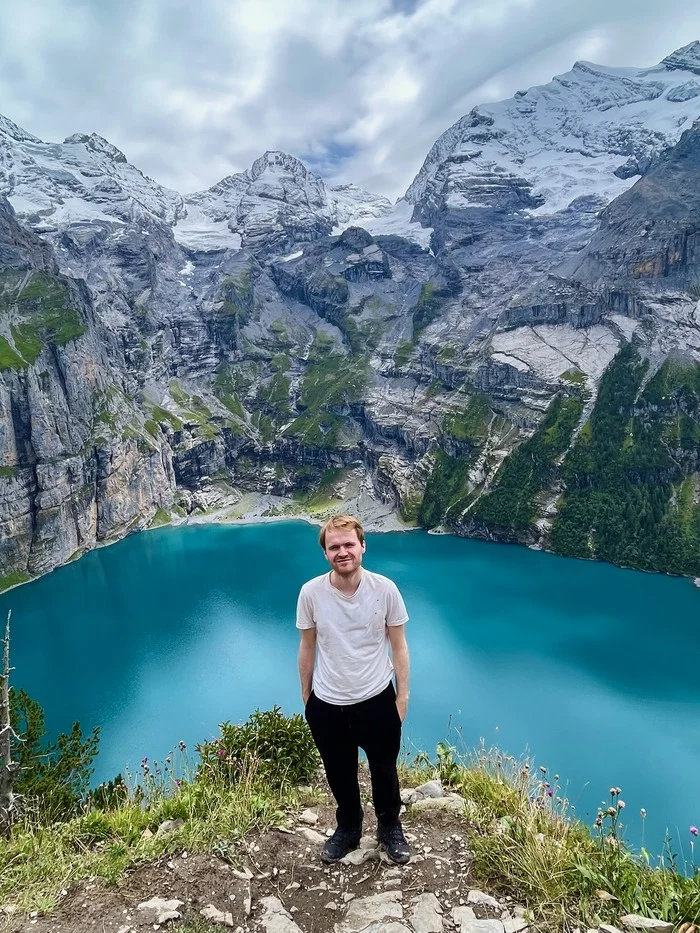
(275, 204)
(589, 133)
(84, 178)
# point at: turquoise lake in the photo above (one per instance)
(592, 670)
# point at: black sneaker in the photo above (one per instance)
(392, 838)
(340, 843)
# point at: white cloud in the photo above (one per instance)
(193, 92)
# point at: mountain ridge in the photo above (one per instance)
(165, 356)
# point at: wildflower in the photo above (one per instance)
(599, 821)
(693, 830)
(550, 793)
(543, 769)
(556, 777)
(178, 783)
(221, 752)
(611, 811)
(618, 791)
(181, 745)
(545, 785)
(144, 761)
(167, 760)
(643, 813)
(621, 804)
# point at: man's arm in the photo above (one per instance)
(399, 654)
(307, 656)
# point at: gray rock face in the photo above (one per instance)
(650, 236)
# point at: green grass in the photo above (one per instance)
(403, 352)
(574, 377)
(177, 394)
(429, 306)
(13, 579)
(320, 498)
(265, 426)
(8, 472)
(280, 335)
(447, 353)
(471, 423)
(274, 396)
(524, 843)
(162, 517)
(329, 382)
(36, 862)
(27, 341)
(9, 358)
(161, 414)
(232, 384)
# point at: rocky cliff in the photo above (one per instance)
(274, 335)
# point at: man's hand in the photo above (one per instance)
(402, 707)
(305, 694)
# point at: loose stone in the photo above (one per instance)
(364, 911)
(650, 924)
(485, 900)
(426, 914)
(214, 915)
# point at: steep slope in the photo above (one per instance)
(77, 465)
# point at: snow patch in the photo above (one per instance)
(397, 223)
(201, 233)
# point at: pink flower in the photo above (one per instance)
(620, 804)
(693, 830)
(221, 752)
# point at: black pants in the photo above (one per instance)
(373, 725)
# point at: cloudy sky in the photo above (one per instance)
(358, 89)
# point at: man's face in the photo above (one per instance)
(343, 550)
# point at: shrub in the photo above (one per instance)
(275, 748)
(54, 776)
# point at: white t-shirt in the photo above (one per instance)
(352, 643)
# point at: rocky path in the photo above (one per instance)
(279, 885)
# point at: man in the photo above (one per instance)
(348, 618)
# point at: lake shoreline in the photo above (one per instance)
(255, 509)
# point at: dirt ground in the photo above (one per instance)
(282, 863)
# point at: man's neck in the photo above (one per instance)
(346, 585)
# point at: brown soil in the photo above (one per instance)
(284, 864)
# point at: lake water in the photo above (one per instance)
(591, 669)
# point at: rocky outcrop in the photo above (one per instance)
(650, 236)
